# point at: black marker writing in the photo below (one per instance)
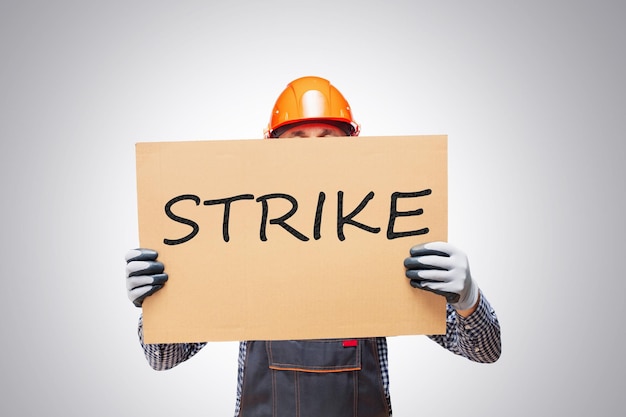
(282, 220)
(171, 215)
(394, 214)
(227, 202)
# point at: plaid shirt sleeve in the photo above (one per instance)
(165, 356)
(476, 337)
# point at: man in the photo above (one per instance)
(331, 377)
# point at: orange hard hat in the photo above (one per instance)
(309, 99)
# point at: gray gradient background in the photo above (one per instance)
(531, 95)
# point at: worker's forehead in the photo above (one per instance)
(317, 128)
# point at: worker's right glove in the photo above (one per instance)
(144, 274)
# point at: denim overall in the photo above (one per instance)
(313, 378)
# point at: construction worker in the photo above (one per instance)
(320, 378)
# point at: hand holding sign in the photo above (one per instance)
(443, 269)
(144, 274)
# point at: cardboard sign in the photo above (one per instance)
(290, 238)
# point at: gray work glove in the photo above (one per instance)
(144, 274)
(443, 269)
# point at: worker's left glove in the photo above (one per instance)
(443, 269)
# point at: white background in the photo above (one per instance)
(531, 95)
